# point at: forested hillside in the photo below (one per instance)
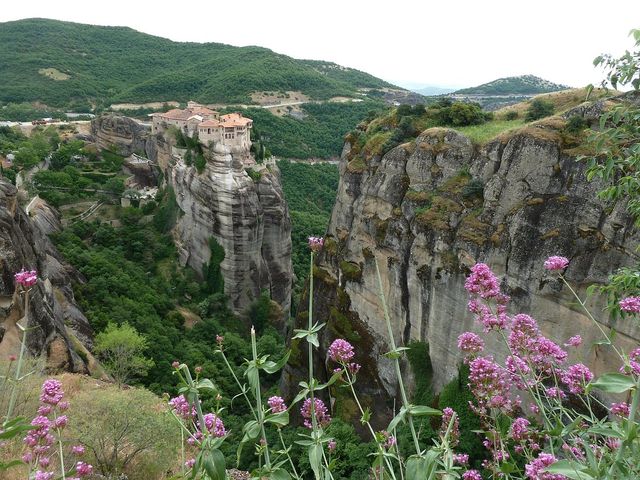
(76, 65)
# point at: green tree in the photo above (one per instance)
(539, 109)
(126, 433)
(121, 349)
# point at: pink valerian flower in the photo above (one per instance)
(523, 329)
(316, 243)
(482, 282)
(321, 413)
(175, 364)
(519, 370)
(489, 383)
(332, 445)
(575, 451)
(469, 342)
(555, 392)
(632, 368)
(51, 392)
(40, 475)
(520, 429)
(12, 358)
(77, 450)
(219, 340)
(630, 304)
(83, 469)
(181, 407)
(190, 463)
(276, 404)
(574, 341)
(354, 368)
(214, 425)
(620, 409)
(613, 443)
(340, 351)
(26, 278)
(471, 475)
(61, 421)
(461, 458)
(454, 434)
(64, 405)
(535, 469)
(556, 263)
(576, 377)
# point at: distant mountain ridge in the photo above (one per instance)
(520, 85)
(62, 63)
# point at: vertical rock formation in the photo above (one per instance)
(427, 211)
(57, 327)
(247, 216)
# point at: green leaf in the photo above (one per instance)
(421, 467)
(206, 384)
(8, 465)
(252, 375)
(331, 381)
(366, 416)
(395, 354)
(315, 458)
(569, 469)
(273, 367)
(213, 463)
(613, 383)
(422, 410)
(280, 419)
(313, 340)
(507, 467)
(397, 419)
(279, 474)
(300, 333)
(605, 432)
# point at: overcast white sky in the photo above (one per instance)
(447, 43)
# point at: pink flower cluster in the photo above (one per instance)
(630, 304)
(39, 440)
(276, 404)
(26, 278)
(341, 351)
(316, 243)
(535, 469)
(321, 413)
(181, 408)
(556, 263)
(214, 425)
(576, 377)
(469, 342)
(482, 282)
(388, 440)
(454, 433)
(489, 383)
(471, 475)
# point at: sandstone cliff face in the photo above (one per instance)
(249, 218)
(123, 134)
(59, 329)
(420, 213)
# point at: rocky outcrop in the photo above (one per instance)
(58, 328)
(247, 216)
(122, 135)
(427, 211)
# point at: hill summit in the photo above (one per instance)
(520, 85)
(63, 63)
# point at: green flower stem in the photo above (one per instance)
(373, 433)
(597, 324)
(396, 362)
(258, 394)
(61, 454)
(631, 423)
(182, 456)
(14, 390)
(242, 390)
(286, 450)
(311, 382)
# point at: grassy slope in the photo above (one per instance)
(522, 85)
(107, 64)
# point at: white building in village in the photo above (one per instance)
(231, 129)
